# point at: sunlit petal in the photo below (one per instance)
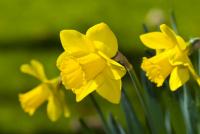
(178, 77)
(103, 38)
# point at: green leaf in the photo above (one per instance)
(171, 103)
(133, 124)
(114, 126)
(150, 104)
(168, 122)
(186, 105)
(100, 113)
(155, 113)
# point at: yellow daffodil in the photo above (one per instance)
(171, 58)
(46, 91)
(86, 63)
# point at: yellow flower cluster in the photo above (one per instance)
(86, 65)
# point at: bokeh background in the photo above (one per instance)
(30, 30)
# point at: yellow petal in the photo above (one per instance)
(170, 34)
(56, 102)
(103, 38)
(54, 108)
(114, 69)
(156, 40)
(31, 100)
(181, 42)
(75, 42)
(89, 87)
(35, 69)
(179, 58)
(110, 89)
(86, 89)
(61, 58)
(178, 77)
(198, 80)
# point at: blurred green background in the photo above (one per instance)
(30, 30)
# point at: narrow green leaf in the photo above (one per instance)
(133, 124)
(172, 105)
(156, 116)
(185, 100)
(114, 126)
(150, 105)
(100, 113)
(193, 92)
(122, 131)
(168, 122)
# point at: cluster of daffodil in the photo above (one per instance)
(87, 65)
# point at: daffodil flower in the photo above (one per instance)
(46, 91)
(86, 63)
(171, 58)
